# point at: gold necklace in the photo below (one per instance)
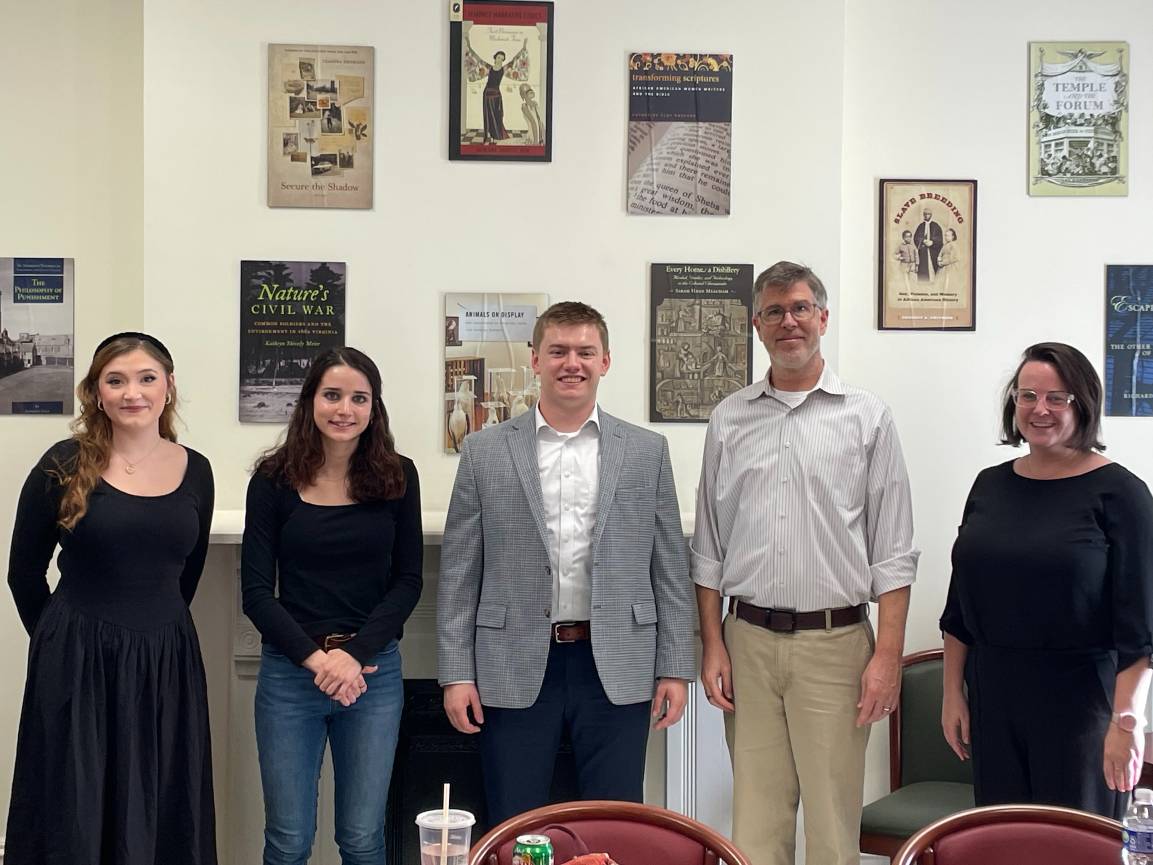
(130, 467)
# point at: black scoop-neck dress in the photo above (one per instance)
(113, 762)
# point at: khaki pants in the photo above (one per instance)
(793, 737)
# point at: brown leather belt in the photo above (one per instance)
(328, 642)
(787, 621)
(570, 632)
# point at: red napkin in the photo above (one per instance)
(592, 859)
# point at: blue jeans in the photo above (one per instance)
(294, 719)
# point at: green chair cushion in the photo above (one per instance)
(915, 806)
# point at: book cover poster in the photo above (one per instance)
(701, 343)
(500, 80)
(37, 336)
(290, 311)
(1079, 118)
(1129, 340)
(320, 126)
(680, 133)
(488, 376)
(927, 257)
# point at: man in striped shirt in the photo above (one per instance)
(803, 517)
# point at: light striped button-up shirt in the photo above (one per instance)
(569, 464)
(803, 505)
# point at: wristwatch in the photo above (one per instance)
(1127, 721)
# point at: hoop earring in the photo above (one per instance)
(99, 404)
(168, 398)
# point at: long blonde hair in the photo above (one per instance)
(92, 430)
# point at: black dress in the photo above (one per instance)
(1052, 590)
(113, 764)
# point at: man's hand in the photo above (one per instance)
(880, 688)
(669, 702)
(717, 675)
(458, 699)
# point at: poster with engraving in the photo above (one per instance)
(290, 311)
(1129, 340)
(36, 336)
(1079, 118)
(500, 80)
(320, 126)
(927, 263)
(680, 133)
(488, 374)
(700, 342)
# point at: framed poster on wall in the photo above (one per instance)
(500, 80)
(320, 126)
(488, 374)
(927, 258)
(1079, 118)
(37, 335)
(1129, 340)
(680, 133)
(700, 342)
(290, 311)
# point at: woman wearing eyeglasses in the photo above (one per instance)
(1048, 625)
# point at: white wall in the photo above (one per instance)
(440, 226)
(159, 201)
(940, 91)
(71, 150)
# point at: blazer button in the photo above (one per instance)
(548, 614)
(548, 571)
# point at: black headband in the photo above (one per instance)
(135, 334)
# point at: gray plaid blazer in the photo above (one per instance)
(493, 605)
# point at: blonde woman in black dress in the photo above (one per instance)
(113, 765)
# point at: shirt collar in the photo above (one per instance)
(594, 418)
(829, 382)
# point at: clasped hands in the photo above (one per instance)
(338, 674)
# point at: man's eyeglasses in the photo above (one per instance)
(802, 310)
(1055, 400)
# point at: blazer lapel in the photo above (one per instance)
(522, 444)
(612, 454)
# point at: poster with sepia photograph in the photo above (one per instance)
(1078, 118)
(320, 128)
(500, 80)
(927, 259)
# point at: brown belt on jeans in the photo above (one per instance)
(787, 621)
(332, 641)
(570, 632)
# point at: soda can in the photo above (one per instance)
(532, 850)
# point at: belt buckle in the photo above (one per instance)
(556, 626)
(782, 621)
(334, 641)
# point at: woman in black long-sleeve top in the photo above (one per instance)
(1049, 618)
(113, 764)
(331, 569)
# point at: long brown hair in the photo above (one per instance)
(92, 430)
(374, 471)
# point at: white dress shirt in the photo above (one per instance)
(569, 480)
(804, 501)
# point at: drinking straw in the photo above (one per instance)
(444, 830)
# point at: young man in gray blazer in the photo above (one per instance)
(565, 604)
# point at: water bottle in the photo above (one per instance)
(1137, 836)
